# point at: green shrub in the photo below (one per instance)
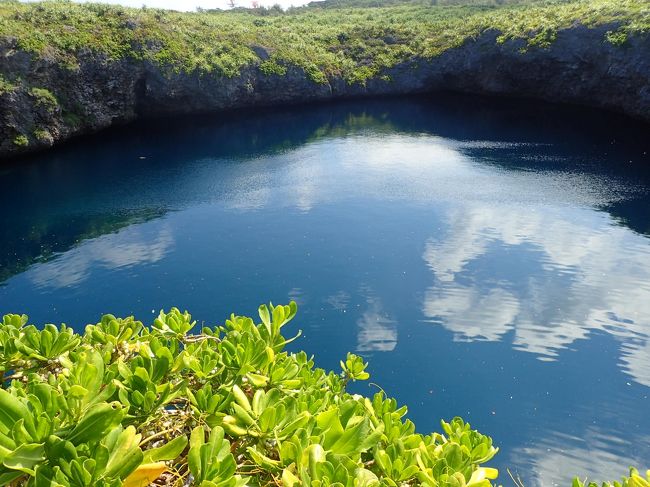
(44, 98)
(270, 67)
(634, 480)
(21, 141)
(6, 86)
(125, 404)
(618, 38)
(42, 135)
(72, 119)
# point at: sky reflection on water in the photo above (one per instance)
(489, 263)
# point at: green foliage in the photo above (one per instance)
(385, 3)
(44, 98)
(210, 462)
(42, 135)
(333, 38)
(21, 141)
(270, 67)
(125, 404)
(618, 38)
(6, 86)
(634, 480)
(72, 119)
(354, 368)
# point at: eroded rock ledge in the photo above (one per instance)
(580, 67)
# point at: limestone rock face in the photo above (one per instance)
(579, 67)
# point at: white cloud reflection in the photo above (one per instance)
(588, 456)
(416, 169)
(377, 332)
(339, 301)
(127, 247)
(586, 273)
(580, 270)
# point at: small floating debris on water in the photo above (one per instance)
(142, 157)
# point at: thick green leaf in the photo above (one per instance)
(197, 440)
(169, 451)
(124, 454)
(11, 411)
(96, 422)
(25, 457)
(46, 477)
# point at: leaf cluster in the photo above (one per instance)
(126, 404)
(635, 479)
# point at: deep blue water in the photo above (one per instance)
(490, 259)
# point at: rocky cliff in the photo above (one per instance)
(579, 67)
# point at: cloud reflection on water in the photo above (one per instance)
(377, 332)
(134, 245)
(586, 273)
(591, 455)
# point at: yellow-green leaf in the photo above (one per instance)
(145, 474)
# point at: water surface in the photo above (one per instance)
(490, 259)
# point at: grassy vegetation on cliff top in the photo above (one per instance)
(330, 40)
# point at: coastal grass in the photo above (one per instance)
(332, 40)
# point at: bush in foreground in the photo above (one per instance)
(128, 405)
(634, 480)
